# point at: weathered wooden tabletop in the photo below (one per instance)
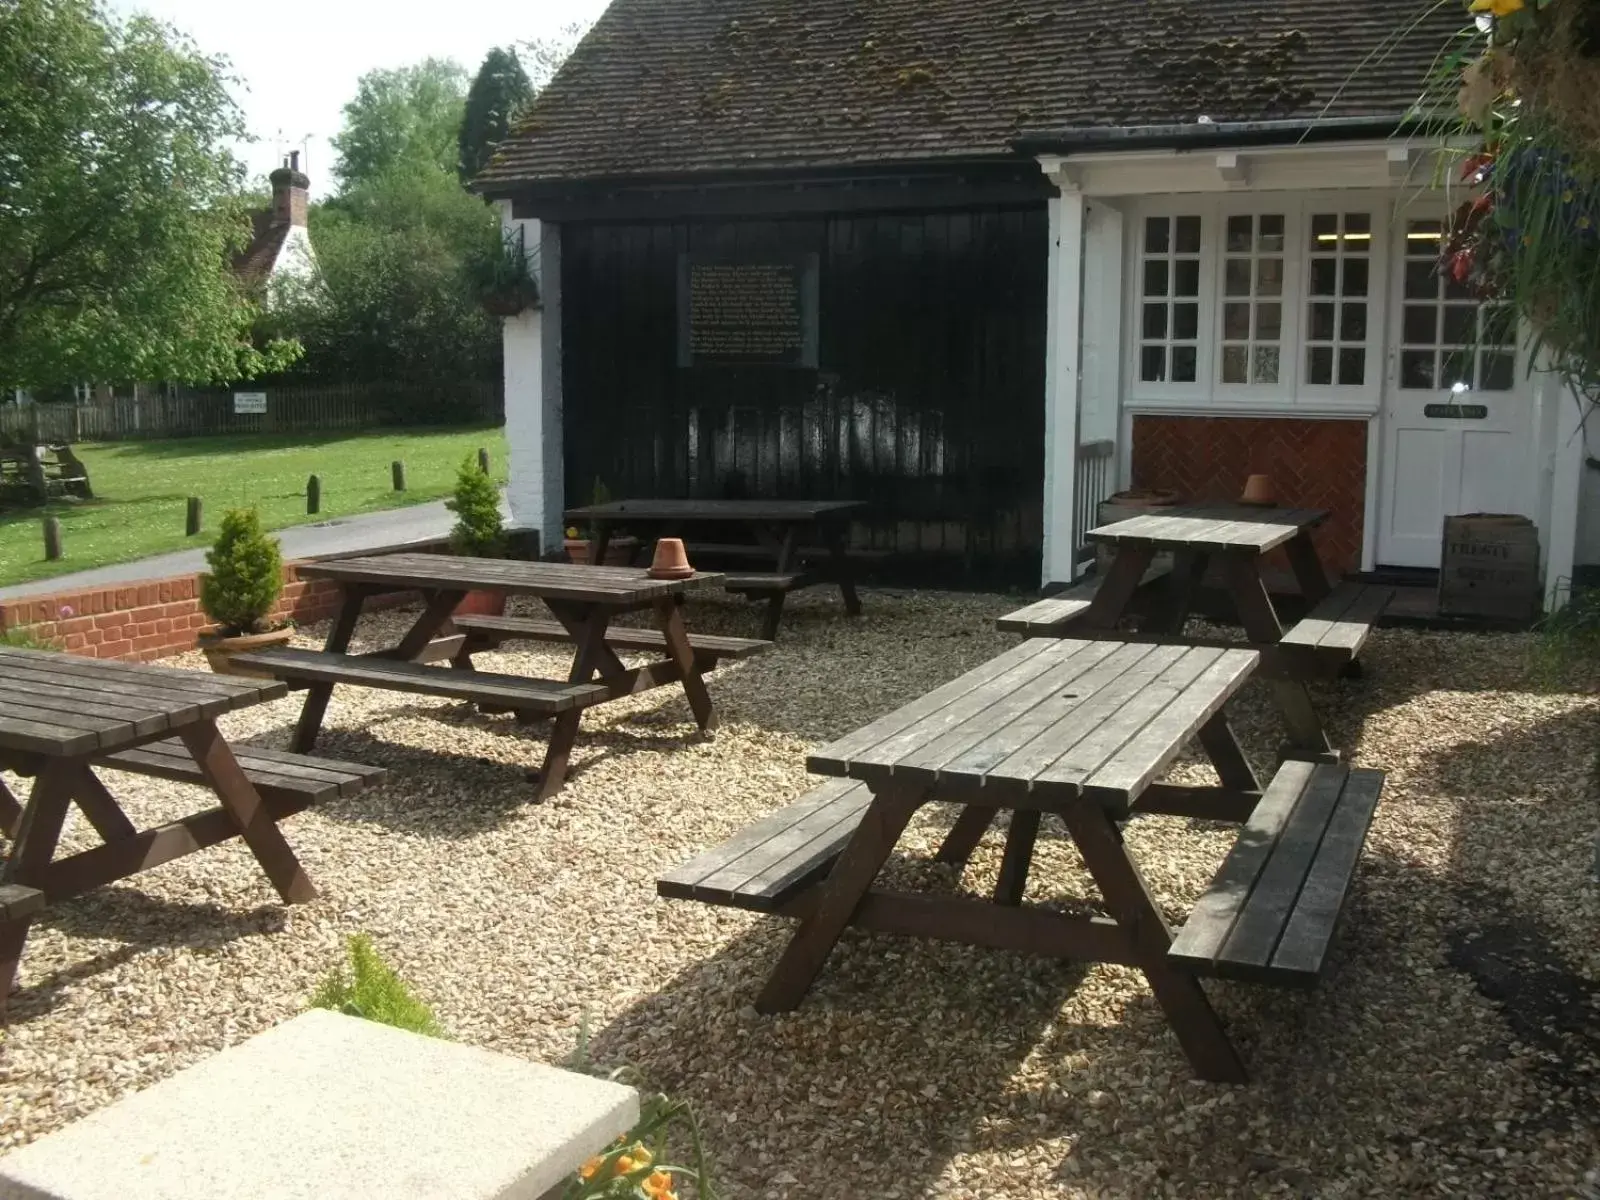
(1214, 529)
(713, 510)
(59, 705)
(1047, 722)
(612, 586)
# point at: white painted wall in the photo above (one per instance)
(296, 259)
(532, 346)
(1064, 299)
(1102, 322)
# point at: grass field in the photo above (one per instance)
(142, 488)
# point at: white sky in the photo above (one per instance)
(298, 60)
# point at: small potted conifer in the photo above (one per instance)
(479, 531)
(240, 591)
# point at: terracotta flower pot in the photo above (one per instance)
(482, 603)
(220, 650)
(671, 560)
(1259, 490)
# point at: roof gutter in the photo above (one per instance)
(1204, 135)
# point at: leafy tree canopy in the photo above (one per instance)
(405, 117)
(498, 92)
(119, 212)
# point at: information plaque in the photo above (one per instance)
(747, 311)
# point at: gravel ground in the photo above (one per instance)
(1452, 1053)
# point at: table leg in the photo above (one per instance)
(600, 543)
(1020, 837)
(239, 796)
(1128, 899)
(1260, 620)
(563, 735)
(37, 834)
(1188, 567)
(1227, 756)
(435, 616)
(964, 836)
(1112, 598)
(586, 624)
(10, 811)
(104, 813)
(318, 694)
(841, 567)
(851, 878)
(1307, 566)
(670, 619)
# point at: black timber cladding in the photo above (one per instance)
(927, 400)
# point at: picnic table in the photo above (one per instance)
(1236, 539)
(781, 531)
(584, 601)
(1082, 729)
(63, 718)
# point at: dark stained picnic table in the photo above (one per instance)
(63, 716)
(1238, 538)
(776, 526)
(1078, 728)
(584, 601)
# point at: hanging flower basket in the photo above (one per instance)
(507, 282)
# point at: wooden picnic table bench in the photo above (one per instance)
(1236, 538)
(778, 529)
(583, 599)
(63, 719)
(1081, 729)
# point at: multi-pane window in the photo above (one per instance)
(1447, 337)
(1338, 276)
(1252, 298)
(1169, 300)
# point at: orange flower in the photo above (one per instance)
(624, 1164)
(658, 1186)
(589, 1168)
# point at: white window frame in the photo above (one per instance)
(1292, 395)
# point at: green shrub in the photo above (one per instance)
(246, 574)
(22, 637)
(371, 989)
(479, 530)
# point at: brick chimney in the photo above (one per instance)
(290, 192)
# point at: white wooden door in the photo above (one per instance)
(1458, 420)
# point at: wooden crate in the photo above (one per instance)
(1490, 567)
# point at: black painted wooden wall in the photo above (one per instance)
(928, 400)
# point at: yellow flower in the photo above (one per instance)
(1500, 8)
(589, 1168)
(641, 1156)
(572, 532)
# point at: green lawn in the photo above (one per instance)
(141, 489)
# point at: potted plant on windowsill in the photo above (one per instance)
(504, 279)
(619, 550)
(479, 531)
(240, 591)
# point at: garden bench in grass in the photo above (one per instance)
(1083, 729)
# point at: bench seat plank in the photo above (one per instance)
(1336, 629)
(515, 692)
(17, 902)
(1272, 909)
(1053, 616)
(768, 863)
(277, 771)
(766, 582)
(617, 637)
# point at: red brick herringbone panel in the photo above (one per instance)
(1315, 464)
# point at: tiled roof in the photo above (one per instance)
(663, 87)
(254, 263)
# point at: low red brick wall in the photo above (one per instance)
(141, 621)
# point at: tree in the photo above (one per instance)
(405, 117)
(545, 55)
(498, 92)
(119, 212)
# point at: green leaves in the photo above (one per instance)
(119, 215)
(373, 991)
(408, 117)
(499, 92)
(479, 530)
(246, 574)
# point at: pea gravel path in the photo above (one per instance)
(1427, 1067)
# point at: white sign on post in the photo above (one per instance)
(249, 402)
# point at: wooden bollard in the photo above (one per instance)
(52, 538)
(192, 518)
(313, 495)
(483, 460)
(398, 470)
